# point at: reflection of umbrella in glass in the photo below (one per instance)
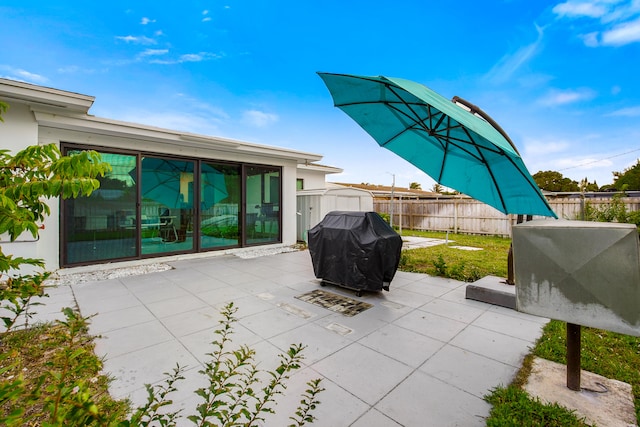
(214, 187)
(452, 145)
(167, 182)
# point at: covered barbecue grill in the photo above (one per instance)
(355, 250)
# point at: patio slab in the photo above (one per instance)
(422, 355)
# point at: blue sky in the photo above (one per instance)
(562, 78)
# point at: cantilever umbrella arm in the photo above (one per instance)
(474, 109)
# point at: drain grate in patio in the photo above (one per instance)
(334, 302)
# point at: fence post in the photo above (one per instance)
(455, 215)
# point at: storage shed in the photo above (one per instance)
(313, 205)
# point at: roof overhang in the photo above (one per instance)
(116, 128)
(320, 168)
(15, 91)
(59, 109)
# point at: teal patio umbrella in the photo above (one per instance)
(453, 145)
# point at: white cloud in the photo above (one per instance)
(563, 97)
(258, 118)
(626, 112)
(187, 122)
(146, 21)
(23, 75)
(189, 57)
(573, 9)
(153, 52)
(591, 39)
(192, 57)
(509, 64)
(614, 22)
(625, 33)
(136, 39)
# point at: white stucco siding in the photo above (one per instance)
(314, 175)
(19, 129)
(312, 180)
(289, 216)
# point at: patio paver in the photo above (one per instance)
(421, 356)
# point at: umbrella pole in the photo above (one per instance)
(510, 272)
(510, 267)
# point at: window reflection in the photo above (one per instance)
(262, 205)
(166, 208)
(147, 205)
(219, 206)
(102, 226)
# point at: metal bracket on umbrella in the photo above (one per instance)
(474, 109)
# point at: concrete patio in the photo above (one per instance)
(423, 355)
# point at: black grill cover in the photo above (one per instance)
(356, 250)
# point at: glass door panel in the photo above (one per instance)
(262, 205)
(219, 205)
(103, 226)
(167, 203)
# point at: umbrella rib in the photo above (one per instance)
(486, 163)
(419, 123)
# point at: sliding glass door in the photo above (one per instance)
(102, 227)
(147, 206)
(220, 194)
(167, 205)
(262, 205)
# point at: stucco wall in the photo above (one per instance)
(22, 129)
(313, 179)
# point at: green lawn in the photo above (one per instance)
(465, 265)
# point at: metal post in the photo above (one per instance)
(573, 356)
(393, 186)
(400, 213)
(455, 215)
(511, 274)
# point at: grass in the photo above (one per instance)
(35, 352)
(464, 265)
(609, 354)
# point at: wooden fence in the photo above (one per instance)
(464, 215)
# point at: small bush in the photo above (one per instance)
(440, 266)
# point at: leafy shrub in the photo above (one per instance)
(61, 394)
(440, 266)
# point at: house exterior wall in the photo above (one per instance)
(29, 122)
(18, 131)
(312, 179)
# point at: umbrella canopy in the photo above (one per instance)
(452, 145)
(163, 181)
(213, 185)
